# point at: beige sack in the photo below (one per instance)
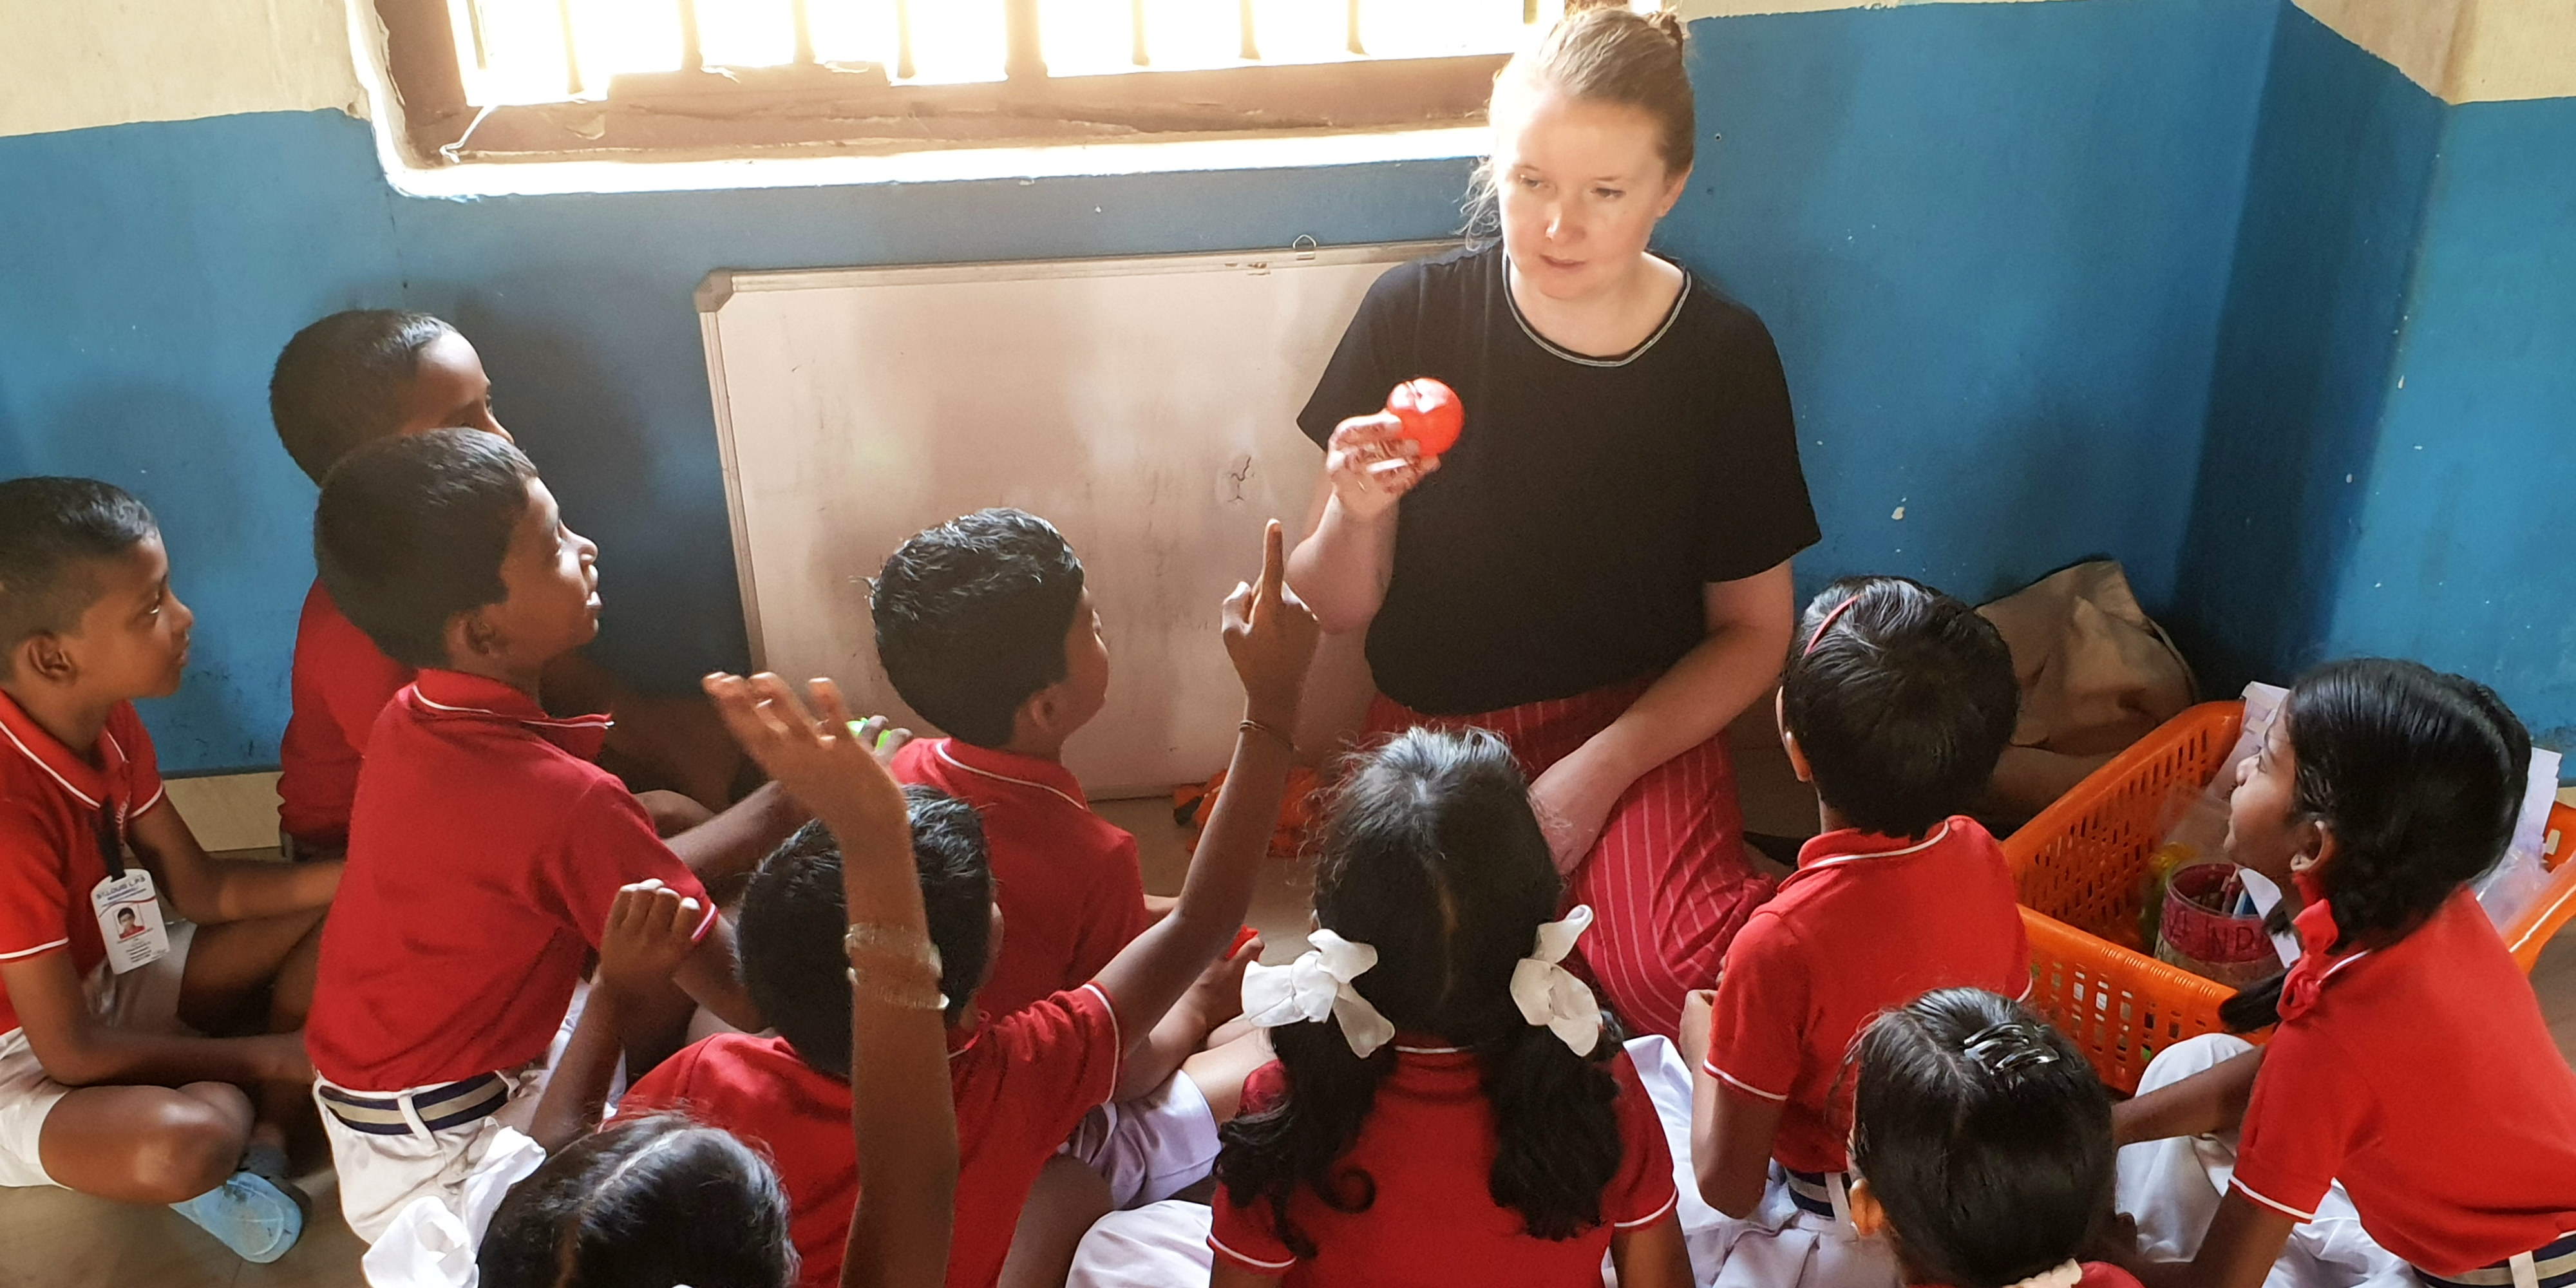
(2096, 675)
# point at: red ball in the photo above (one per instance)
(1430, 412)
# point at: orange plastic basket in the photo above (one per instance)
(2081, 865)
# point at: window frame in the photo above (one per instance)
(811, 109)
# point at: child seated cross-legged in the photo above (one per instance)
(117, 934)
(343, 382)
(1896, 704)
(984, 626)
(485, 848)
(1446, 1107)
(1981, 1144)
(2411, 1118)
(1023, 1081)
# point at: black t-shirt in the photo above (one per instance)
(1565, 541)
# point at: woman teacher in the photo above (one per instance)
(1599, 569)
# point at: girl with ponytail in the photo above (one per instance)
(2411, 1109)
(1446, 1106)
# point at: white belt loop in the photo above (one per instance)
(1842, 1203)
(2526, 1271)
(411, 1115)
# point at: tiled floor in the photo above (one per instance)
(54, 1239)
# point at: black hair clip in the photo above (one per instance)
(2011, 1047)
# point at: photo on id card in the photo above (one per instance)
(129, 920)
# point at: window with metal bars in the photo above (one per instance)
(483, 80)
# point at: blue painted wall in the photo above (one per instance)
(2392, 428)
(2342, 167)
(2462, 553)
(1992, 240)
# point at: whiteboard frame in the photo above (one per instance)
(720, 286)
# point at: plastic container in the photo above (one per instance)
(2079, 867)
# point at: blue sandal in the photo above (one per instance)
(259, 1219)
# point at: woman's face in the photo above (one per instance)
(1581, 185)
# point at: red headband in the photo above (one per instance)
(1826, 625)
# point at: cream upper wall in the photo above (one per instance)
(68, 64)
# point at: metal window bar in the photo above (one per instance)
(1024, 57)
(693, 56)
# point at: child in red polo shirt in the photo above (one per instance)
(1981, 1143)
(1896, 705)
(484, 847)
(1022, 1082)
(985, 629)
(2412, 1082)
(1446, 1106)
(342, 382)
(103, 1089)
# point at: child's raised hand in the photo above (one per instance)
(1271, 638)
(1361, 461)
(824, 759)
(651, 929)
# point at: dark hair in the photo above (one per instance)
(971, 618)
(51, 529)
(341, 382)
(1605, 52)
(411, 531)
(648, 1202)
(2419, 776)
(1903, 707)
(794, 915)
(1431, 855)
(1984, 1134)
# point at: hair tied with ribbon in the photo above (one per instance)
(1549, 995)
(1316, 985)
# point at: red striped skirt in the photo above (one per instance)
(1668, 881)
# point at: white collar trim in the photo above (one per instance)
(1585, 359)
(940, 748)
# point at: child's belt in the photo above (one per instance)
(2550, 1267)
(435, 1109)
(1819, 1192)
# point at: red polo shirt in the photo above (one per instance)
(341, 683)
(2426, 1081)
(1865, 923)
(1066, 879)
(50, 800)
(484, 851)
(1021, 1084)
(1429, 1146)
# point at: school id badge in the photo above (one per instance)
(129, 920)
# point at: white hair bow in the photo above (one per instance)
(1549, 994)
(1316, 985)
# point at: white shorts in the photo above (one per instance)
(2172, 1188)
(1152, 1147)
(145, 999)
(380, 1175)
(1781, 1245)
(1159, 1245)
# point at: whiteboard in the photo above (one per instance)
(1147, 407)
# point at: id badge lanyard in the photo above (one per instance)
(111, 836)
